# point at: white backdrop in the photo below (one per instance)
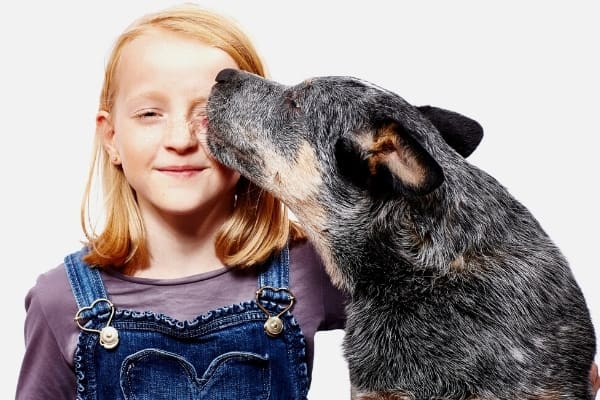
(527, 71)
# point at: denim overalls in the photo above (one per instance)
(228, 353)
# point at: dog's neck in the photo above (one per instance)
(446, 235)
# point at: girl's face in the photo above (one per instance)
(162, 82)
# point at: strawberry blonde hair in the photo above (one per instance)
(259, 224)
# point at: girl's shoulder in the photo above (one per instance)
(51, 293)
(50, 312)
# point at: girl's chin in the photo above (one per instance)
(192, 210)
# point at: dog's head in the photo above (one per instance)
(331, 146)
(348, 132)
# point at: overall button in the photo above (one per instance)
(274, 326)
(109, 337)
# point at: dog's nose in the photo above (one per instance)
(225, 75)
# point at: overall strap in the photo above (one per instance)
(86, 283)
(276, 274)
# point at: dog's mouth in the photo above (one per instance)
(239, 155)
(225, 152)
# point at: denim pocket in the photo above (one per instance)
(154, 374)
(237, 375)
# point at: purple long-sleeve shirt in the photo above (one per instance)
(51, 333)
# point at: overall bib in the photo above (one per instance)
(227, 353)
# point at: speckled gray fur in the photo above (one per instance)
(456, 291)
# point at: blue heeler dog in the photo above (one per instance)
(456, 291)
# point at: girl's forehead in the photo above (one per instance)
(166, 49)
(168, 62)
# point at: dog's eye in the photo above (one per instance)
(291, 101)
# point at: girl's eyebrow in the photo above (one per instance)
(140, 99)
(142, 96)
(198, 104)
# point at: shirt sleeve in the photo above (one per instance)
(334, 304)
(45, 373)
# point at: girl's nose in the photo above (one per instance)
(180, 135)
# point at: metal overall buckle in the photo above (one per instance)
(274, 325)
(109, 336)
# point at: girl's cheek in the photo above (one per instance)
(199, 127)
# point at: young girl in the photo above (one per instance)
(168, 298)
(196, 285)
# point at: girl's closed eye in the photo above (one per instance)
(147, 115)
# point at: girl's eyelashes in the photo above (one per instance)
(196, 117)
(146, 114)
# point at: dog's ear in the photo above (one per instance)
(462, 133)
(388, 159)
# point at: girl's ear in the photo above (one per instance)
(106, 133)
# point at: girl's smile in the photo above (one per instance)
(181, 171)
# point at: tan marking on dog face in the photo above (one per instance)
(297, 181)
(297, 185)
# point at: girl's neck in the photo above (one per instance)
(182, 245)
